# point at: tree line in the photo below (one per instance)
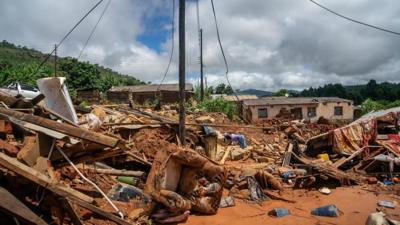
(20, 64)
(384, 91)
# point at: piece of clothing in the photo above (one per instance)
(237, 138)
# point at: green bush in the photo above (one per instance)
(370, 105)
(218, 105)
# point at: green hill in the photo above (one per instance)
(20, 64)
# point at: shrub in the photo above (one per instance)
(218, 105)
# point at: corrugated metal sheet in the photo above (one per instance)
(293, 100)
(151, 88)
(232, 98)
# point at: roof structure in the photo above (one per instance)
(151, 88)
(293, 100)
(232, 98)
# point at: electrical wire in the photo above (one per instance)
(222, 50)
(172, 45)
(69, 32)
(198, 26)
(355, 21)
(94, 28)
(198, 18)
(91, 183)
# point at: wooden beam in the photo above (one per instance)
(113, 172)
(12, 206)
(61, 127)
(100, 212)
(71, 211)
(21, 169)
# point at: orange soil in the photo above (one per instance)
(355, 203)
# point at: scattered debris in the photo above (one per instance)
(325, 190)
(328, 210)
(387, 204)
(123, 164)
(279, 212)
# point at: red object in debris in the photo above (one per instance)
(5, 127)
(394, 137)
(372, 180)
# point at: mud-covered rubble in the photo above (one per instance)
(120, 164)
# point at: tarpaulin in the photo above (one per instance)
(350, 138)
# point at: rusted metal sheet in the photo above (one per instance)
(60, 127)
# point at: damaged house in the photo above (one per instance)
(332, 108)
(169, 93)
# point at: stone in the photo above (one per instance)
(237, 153)
(205, 119)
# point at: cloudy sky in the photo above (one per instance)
(270, 44)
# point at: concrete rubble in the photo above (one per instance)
(115, 164)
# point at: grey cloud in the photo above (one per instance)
(270, 44)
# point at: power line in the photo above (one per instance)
(69, 32)
(94, 28)
(355, 21)
(222, 50)
(198, 16)
(172, 44)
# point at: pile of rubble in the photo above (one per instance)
(118, 164)
(78, 167)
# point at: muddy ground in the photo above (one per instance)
(356, 203)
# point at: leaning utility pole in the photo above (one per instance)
(182, 82)
(55, 60)
(201, 67)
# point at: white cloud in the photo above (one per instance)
(269, 44)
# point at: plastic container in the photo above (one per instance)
(279, 212)
(227, 202)
(124, 193)
(328, 210)
(323, 156)
(387, 204)
(128, 180)
(289, 174)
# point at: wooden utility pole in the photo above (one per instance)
(55, 60)
(182, 81)
(201, 67)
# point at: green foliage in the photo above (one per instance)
(282, 92)
(207, 93)
(359, 93)
(218, 105)
(80, 74)
(370, 105)
(19, 64)
(223, 89)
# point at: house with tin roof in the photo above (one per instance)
(311, 108)
(169, 93)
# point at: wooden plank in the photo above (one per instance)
(100, 212)
(113, 172)
(71, 211)
(27, 154)
(92, 157)
(341, 162)
(12, 206)
(14, 165)
(61, 127)
(226, 154)
(288, 155)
